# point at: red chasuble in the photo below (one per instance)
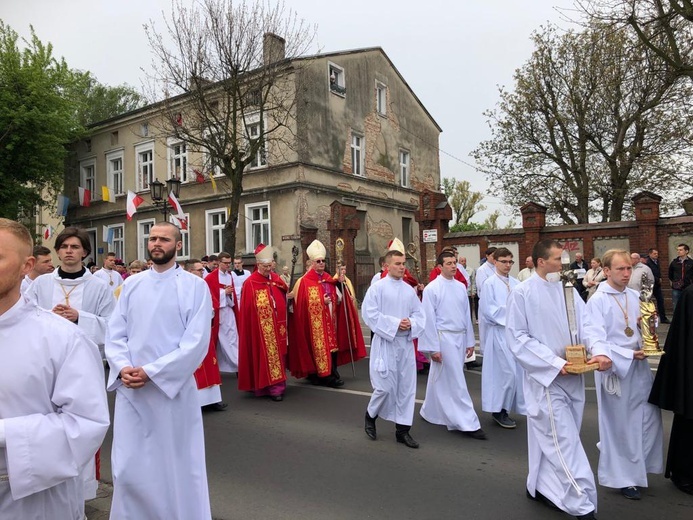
(262, 332)
(349, 334)
(435, 272)
(208, 373)
(311, 329)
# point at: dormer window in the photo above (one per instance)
(336, 78)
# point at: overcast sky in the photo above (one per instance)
(453, 53)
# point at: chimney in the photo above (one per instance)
(273, 49)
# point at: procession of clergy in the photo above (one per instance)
(156, 334)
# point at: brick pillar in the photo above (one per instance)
(344, 223)
(533, 221)
(434, 213)
(646, 205)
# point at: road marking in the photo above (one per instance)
(340, 390)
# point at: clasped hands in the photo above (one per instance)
(66, 312)
(133, 377)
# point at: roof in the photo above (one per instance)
(288, 62)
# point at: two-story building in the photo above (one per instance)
(367, 147)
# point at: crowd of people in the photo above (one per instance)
(166, 331)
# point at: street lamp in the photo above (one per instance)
(159, 198)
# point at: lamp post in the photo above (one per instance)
(159, 198)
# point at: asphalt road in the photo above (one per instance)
(308, 458)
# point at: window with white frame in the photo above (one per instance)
(357, 154)
(118, 244)
(184, 252)
(257, 231)
(216, 222)
(380, 98)
(254, 131)
(211, 165)
(335, 74)
(178, 160)
(144, 159)
(404, 168)
(144, 227)
(114, 172)
(88, 175)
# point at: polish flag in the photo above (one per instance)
(173, 202)
(48, 232)
(133, 202)
(84, 197)
(180, 221)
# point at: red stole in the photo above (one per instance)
(262, 332)
(311, 329)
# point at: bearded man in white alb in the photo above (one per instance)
(53, 410)
(158, 336)
(630, 429)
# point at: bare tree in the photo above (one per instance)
(665, 27)
(593, 118)
(225, 71)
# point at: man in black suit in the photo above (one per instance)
(653, 263)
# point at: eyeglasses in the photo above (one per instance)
(226, 263)
(319, 261)
(505, 262)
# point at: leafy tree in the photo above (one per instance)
(222, 95)
(593, 119)
(44, 105)
(37, 119)
(98, 102)
(464, 202)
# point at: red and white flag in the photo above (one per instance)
(173, 202)
(181, 222)
(48, 232)
(133, 202)
(84, 197)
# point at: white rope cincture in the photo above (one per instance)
(558, 448)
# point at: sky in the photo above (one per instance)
(453, 53)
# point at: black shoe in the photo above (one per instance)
(472, 364)
(479, 434)
(277, 398)
(313, 379)
(406, 439)
(538, 497)
(216, 407)
(588, 516)
(370, 427)
(686, 488)
(335, 382)
(631, 493)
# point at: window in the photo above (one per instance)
(257, 231)
(404, 170)
(253, 128)
(336, 77)
(114, 172)
(178, 160)
(216, 221)
(380, 98)
(357, 154)
(253, 97)
(143, 229)
(144, 158)
(88, 176)
(118, 244)
(144, 129)
(184, 253)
